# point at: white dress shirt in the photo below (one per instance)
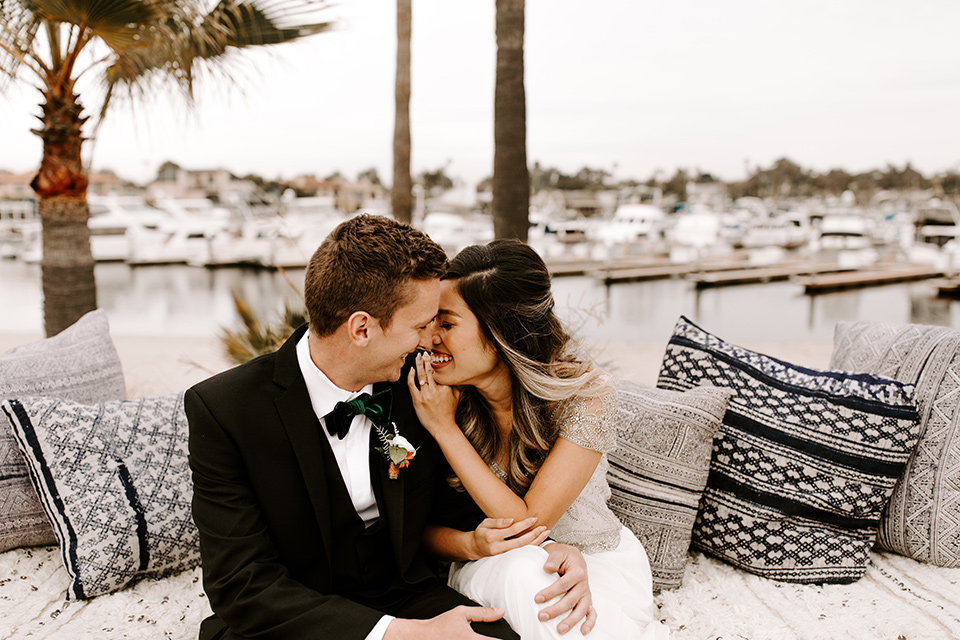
(352, 453)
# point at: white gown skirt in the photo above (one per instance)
(619, 581)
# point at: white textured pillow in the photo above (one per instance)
(114, 480)
(80, 364)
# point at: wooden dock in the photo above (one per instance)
(567, 267)
(611, 274)
(754, 275)
(948, 288)
(878, 275)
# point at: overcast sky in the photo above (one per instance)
(625, 85)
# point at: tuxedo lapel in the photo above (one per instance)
(303, 429)
(389, 493)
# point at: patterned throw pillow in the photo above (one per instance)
(81, 364)
(922, 518)
(659, 468)
(804, 461)
(115, 482)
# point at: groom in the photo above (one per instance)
(306, 529)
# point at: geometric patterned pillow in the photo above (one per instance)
(803, 463)
(81, 364)
(659, 469)
(115, 482)
(922, 518)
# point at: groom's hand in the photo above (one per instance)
(568, 563)
(451, 625)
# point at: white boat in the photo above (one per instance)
(936, 222)
(295, 241)
(454, 231)
(776, 231)
(696, 234)
(249, 243)
(843, 231)
(183, 237)
(630, 223)
(111, 217)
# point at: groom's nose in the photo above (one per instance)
(426, 337)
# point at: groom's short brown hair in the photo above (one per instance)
(365, 265)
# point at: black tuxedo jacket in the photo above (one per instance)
(260, 503)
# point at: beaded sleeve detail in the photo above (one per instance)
(589, 421)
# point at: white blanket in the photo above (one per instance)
(897, 598)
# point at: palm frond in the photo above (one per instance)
(116, 22)
(255, 337)
(179, 44)
(18, 32)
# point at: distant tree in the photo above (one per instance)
(552, 178)
(435, 182)
(950, 183)
(127, 44)
(370, 175)
(907, 178)
(511, 179)
(833, 183)
(677, 185)
(401, 193)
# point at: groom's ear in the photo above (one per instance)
(359, 327)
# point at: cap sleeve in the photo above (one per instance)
(588, 419)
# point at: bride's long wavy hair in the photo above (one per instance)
(507, 286)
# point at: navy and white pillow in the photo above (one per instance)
(114, 480)
(804, 461)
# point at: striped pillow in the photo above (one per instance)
(114, 479)
(804, 461)
(659, 469)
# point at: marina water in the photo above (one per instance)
(178, 300)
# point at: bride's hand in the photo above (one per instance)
(494, 536)
(435, 404)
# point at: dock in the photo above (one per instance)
(578, 267)
(878, 275)
(949, 288)
(772, 273)
(613, 274)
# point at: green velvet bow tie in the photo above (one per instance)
(376, 407)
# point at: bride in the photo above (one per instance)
(525, 425)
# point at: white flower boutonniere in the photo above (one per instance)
(396, 449)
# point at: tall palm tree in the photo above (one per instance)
(511, 179)
(401, 194)
(127, 45)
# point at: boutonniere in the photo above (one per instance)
(396, 449)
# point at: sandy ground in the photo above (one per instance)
(154, 365)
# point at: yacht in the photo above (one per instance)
(112, 218)
(786, 232)
(183, 237)
(454, 231)
(630, 223)
(936, 222)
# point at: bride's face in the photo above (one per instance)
(461, 354)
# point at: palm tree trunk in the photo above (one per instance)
(511, 179)
(69, 288)
(401, 194)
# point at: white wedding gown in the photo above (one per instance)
(617, 567)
